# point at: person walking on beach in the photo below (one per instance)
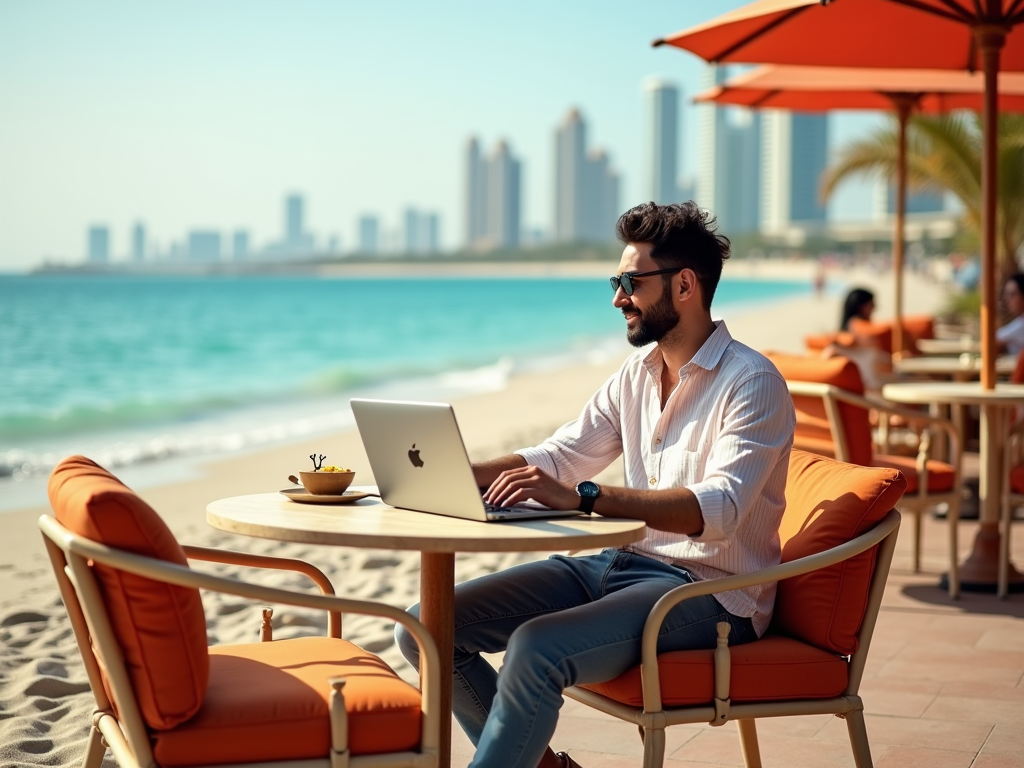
(705, 426)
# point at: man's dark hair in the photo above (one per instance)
(682, 235)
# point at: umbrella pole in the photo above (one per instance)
(980, 570)
(903, 105)
(990, 40)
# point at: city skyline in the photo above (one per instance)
(180, 118)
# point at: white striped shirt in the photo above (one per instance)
(725, 433)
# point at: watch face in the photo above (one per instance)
(588, 488)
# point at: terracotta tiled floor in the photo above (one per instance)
(944, 687)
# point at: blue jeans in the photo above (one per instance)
(561, 622)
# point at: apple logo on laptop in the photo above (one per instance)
(414, 456)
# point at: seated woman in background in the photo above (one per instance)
(863, 348)
(1010, 338)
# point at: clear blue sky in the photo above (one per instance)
(205, 114)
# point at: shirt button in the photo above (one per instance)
(653, 480)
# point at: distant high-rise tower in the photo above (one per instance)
(493, 197)
(294, 225)
(661, 161)
(502, 198)
(741, 208)
(570, 169)
(240, 245)
(204, 245)
(138, 242)
(369, 234)
(586, 187)
(475, 194)
(99, 245)
(712, 133)
(794, 152)
(411, 230)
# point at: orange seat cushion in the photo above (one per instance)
(773, 668)
(827, 504)
(812, 431)
(940, 475)
(160, 627)
(1017, 479)
(270, 701)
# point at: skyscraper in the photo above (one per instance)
(411, 230)
(369, 234)
(661, 160)
(740, 211)
(493, 197)
(204, 245)
(586, 187)
(570, 163)
(240, 245)
(712, 182)
(138, 242)
(475, 205)
(99, 245)
(293, 226)
(917, 202)
(794, 153)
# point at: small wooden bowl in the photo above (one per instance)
(326, 483)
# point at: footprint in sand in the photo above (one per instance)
(54, 688)
(23, 617)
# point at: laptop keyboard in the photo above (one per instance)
(494, 508)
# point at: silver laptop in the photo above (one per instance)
(420, 463)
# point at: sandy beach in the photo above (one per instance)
(44, 696)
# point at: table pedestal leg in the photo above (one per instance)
(980, 571)
(437, 588)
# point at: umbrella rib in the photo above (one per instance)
(763, 98)
(1014, 16)
(956, 13)
(754, 35)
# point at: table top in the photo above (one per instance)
(951, 366)
(371, 523)
(948, 346)
(953, 392)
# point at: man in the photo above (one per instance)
(705, 427)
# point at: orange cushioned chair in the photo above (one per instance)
(164, 698)
(838, 534)
(833, 419)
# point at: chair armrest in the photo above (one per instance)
(247, 559)
(183, 576)
(837, 554)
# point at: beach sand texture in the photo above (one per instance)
(44, 694)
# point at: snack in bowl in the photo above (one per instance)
(327, 481)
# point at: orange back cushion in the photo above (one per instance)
(915, 328)
(812, 431)
(829, 503)
(161, 628)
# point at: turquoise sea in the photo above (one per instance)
(143, 369)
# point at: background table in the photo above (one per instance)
(948, 346)
(372, 523)
(980, 570)
(955, 368)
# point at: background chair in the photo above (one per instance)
(838, 534)
(833, 419)
(163, 697)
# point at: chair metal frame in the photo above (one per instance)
(922, 500)
(653, 717)
(126, 734)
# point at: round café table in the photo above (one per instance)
(949, 346)
(962, 368)
(371, 523)
(980, 572)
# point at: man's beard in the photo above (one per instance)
(654, 322)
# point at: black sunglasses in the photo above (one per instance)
(625, 280)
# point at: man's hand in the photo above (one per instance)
(517, 485)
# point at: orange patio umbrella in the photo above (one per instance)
(816, 89)
(970, 35)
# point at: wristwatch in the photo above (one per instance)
(588, 491)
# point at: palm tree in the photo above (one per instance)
(944, 155)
